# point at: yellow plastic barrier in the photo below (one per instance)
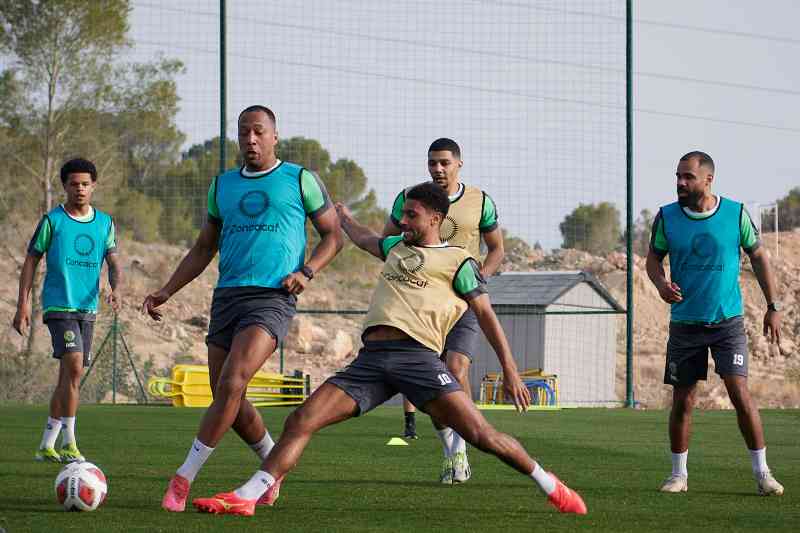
(190, 386)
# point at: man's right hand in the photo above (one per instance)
(670, 292)
(22, 320)
(154, 300)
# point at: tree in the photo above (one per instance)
(788, 213)
(641, 233)
(592, 228)
(62, 51)
(344, 179)
(65, 94)
(183, 188)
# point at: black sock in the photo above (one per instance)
(410, 417)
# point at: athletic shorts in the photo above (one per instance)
(689, 344)
(463, 338)
(384, 368)
(235, 308)
(71, 335)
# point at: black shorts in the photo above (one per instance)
(689, 344)
(71, 335)
(384, 368)
(463, 338)
(236, 308)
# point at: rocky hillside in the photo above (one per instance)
(320, 343)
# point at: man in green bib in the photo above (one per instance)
(424, 288)
(257, 221)
(472, 217)
(76, 238)
(702, 233)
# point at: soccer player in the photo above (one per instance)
(702, 233)
(424, 288)
(76, 238)
(257, 221)
(472, 216)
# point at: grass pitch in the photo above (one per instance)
(349, 480)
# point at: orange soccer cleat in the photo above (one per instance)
(225, 503)
(175, 498)
(565, 499)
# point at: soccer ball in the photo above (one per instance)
(81, 487)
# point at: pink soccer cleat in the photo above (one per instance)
(565, 499)
(175, 498)
(271, 496)
(225, 503)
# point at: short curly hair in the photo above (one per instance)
(78, 166)
(431, 196)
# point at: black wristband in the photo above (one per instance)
(307, 272)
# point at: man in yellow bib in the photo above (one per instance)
(424, 288)
(472, 216)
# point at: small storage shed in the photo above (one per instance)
(562, 322)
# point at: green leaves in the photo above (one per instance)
(592, 228)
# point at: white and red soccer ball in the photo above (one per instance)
(81, 487)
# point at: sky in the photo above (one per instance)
(534, 91)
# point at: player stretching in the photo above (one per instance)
(256, 218)
(424, 288)
(472, 215)
(702, 234)
(76, 238)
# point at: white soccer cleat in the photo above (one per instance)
(768, 485)
(446, 474)
(461, 470)
(675, 483)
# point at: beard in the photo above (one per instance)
(691, 199)
(411, 237)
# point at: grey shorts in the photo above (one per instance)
(236, 308)
(689, 344)
(384, 368)
(463, 338)
(71, 335)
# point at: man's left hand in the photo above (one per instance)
(295, 283)
(772, 326)
(114, 300)
(516, 390)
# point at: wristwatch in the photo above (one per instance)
(775, 306)
(307, 272)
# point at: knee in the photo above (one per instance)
(71, 376)
(231, 386)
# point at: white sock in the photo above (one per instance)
(459, 444)
(544, 480)
(256, 487)
(264, 446)
(679, 464)
(446, 436)
(759, 460)
(68, 433)
(198, 454)
(50, 434)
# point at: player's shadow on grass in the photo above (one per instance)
(738, 493)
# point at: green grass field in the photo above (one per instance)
(349, 480)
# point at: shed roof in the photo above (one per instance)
(542, 288)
